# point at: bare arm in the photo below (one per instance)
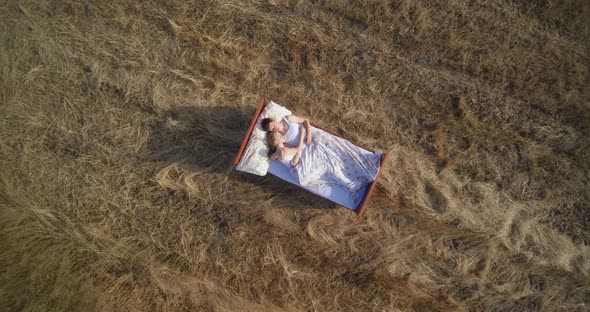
(305, 122)
(287, 151)
(299, 147)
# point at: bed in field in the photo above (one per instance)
(252, 158)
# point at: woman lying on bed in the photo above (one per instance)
(327, 159)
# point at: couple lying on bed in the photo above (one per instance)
(319, 159)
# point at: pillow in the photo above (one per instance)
(255, 158)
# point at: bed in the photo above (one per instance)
(252, 158)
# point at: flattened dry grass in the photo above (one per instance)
(119, 122)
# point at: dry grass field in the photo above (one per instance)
(119, 121)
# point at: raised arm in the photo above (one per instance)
(305, 122)
(299, 148)
(300, 144)
(288, 151)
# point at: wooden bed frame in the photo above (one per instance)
(360, 209)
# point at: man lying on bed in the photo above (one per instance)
(324, 159)
(286, 127)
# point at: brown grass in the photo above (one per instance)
(119, 121)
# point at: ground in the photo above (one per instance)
(119, 121)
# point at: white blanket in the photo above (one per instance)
(333, 160)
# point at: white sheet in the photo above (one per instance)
(348, 188)
(333, 192)
(330, 159)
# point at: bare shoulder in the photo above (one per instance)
(297, 119)
(278, 154)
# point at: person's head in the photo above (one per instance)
(266, 124)
(269, 124)
(274, 140)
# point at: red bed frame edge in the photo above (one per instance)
(370, 187)
(363, 204)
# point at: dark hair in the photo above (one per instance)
(266, 123)
(271, 147)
